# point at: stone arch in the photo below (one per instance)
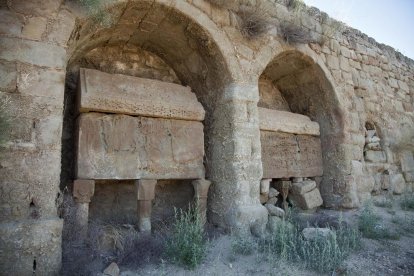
(308, 87)
(181, 35)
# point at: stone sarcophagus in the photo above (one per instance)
(138, 129)
(154, 130)
(291, 146)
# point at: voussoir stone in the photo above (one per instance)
(115, 93)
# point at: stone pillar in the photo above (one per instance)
(235, 162)
(201, 187)
(83, 190)
(145, 195)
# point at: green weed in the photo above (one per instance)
(407, 202)
(187, 245)
(370, 226)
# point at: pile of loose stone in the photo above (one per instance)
(300, 192)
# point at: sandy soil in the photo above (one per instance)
(377, 257)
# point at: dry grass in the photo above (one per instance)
(253, 21)
(225, 4)
(294, 34)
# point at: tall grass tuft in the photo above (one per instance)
(322, 254)
(370, 225)
(187, 245)
(407, 202)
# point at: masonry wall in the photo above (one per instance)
(39, 39)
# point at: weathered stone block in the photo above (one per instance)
(10, 23)
(283, 121)
(375, 156)
(34, 52)
(36, 7)
(115, 93)
(397, 183)
(303, 187)
(409, 176)
(287, 155)
(308, 200)
(317, 233)
(32, 241)
(8, 76)
(407, 162)
(34, 28)
(125, 147)
(275, 211)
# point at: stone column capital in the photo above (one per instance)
(201, 187)
(145, 189)
(83, 190)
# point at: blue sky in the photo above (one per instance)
(387, 21)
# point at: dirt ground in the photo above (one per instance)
(376, 257)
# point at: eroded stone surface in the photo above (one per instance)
(307, 200)
(283, 121)
(113, 93)
(289, 155)
(125, 147)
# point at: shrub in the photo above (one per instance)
(98, 10)
(407, 202)
(253, 21)
(321, 254)
(187, 245)
(243, 245)
(386, 202)
(370, 226)
(293, 33)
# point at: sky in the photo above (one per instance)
(387, 21)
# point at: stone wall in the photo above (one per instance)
(358, 81)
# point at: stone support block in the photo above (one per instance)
(145, 194)
(83, 191)
(114, 93)
(307, 200)
(201, 187)
(288, 122)
(397, 183)
(265, 185)
(303, 187)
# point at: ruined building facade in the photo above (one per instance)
(168, 96)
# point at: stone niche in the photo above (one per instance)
(134, 133)
(291, 157)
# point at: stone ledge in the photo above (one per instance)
(288, 122)
(114, 93)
